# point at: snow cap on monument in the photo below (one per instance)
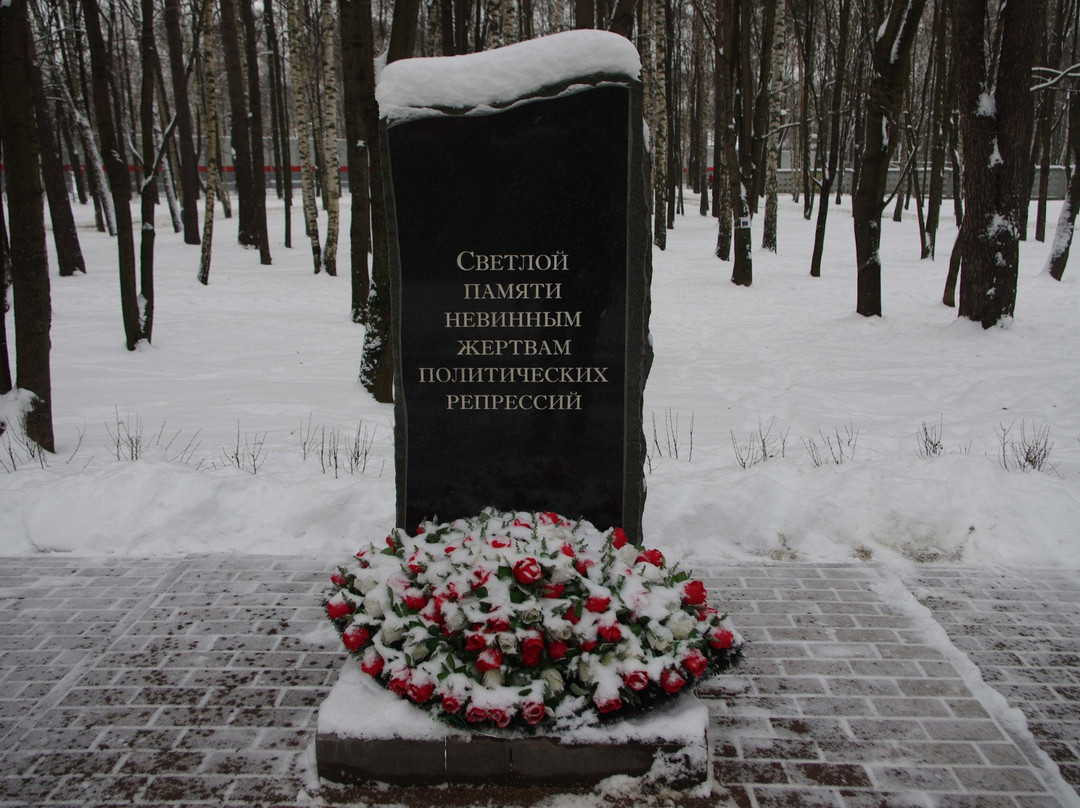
(503, 75)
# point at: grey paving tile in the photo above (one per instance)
(188, 680)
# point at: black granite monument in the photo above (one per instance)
(520, 263)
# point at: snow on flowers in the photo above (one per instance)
(522, 618)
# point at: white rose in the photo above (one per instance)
(586, 671)
(563, 570)
(493, 679)
(553, 681)
(417, 651)
(533, 615)
(373, 606)
(507, 642)
(563, 632)
(366, 580)
(681, 625)
(456, 620)
(658, 643)
(628, 554)
(391, 633)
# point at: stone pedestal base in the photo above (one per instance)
(366, 734)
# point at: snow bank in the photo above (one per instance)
(496, 77)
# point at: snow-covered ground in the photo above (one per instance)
(264, 360)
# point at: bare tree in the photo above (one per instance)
(28, 260)
(996, 125)
(894, 34)
(835, 137)
(108, 124)
(358, 69)
(255, 132)
(189, 162)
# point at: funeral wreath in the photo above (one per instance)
(526, 619)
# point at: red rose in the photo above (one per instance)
(550, 518)
(636, 680)
(478, 578)
(475, 641)
(610, 633)
(553, 590)
(449, 550)
(420, 530)
(489, 659)
(618, 538)
(399, 682)
(432, 611)
(597, 603)
(571, 616)
(654, 557)
(414, 566)
(361, 553)
(355, 637)
(557, 649)
(391, 544)
(498, 624)
(450, 703)
(533, 712)
(671, 681)
(568, 550)
(420, 693)
(372, 663)
(695, 662)
(607, 705)
(341, 608)
(452, 591)
(499, 542)
(693, 593)
(415, 602)
(532, 648)
(705, 613)
(722, 638)
(500, 716)
(521, 523)
(527, 571)
(474, 715)
(582, 565)
(338, 579)
(588, 645)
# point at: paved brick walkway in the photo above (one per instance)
(197, 680)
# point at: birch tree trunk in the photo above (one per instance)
(772, 161)
(210, 107)
(659, 118)
(332, 192)
(148, 191)
(1059, 250)
(300, 79)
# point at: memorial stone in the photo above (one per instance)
(520, 266)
